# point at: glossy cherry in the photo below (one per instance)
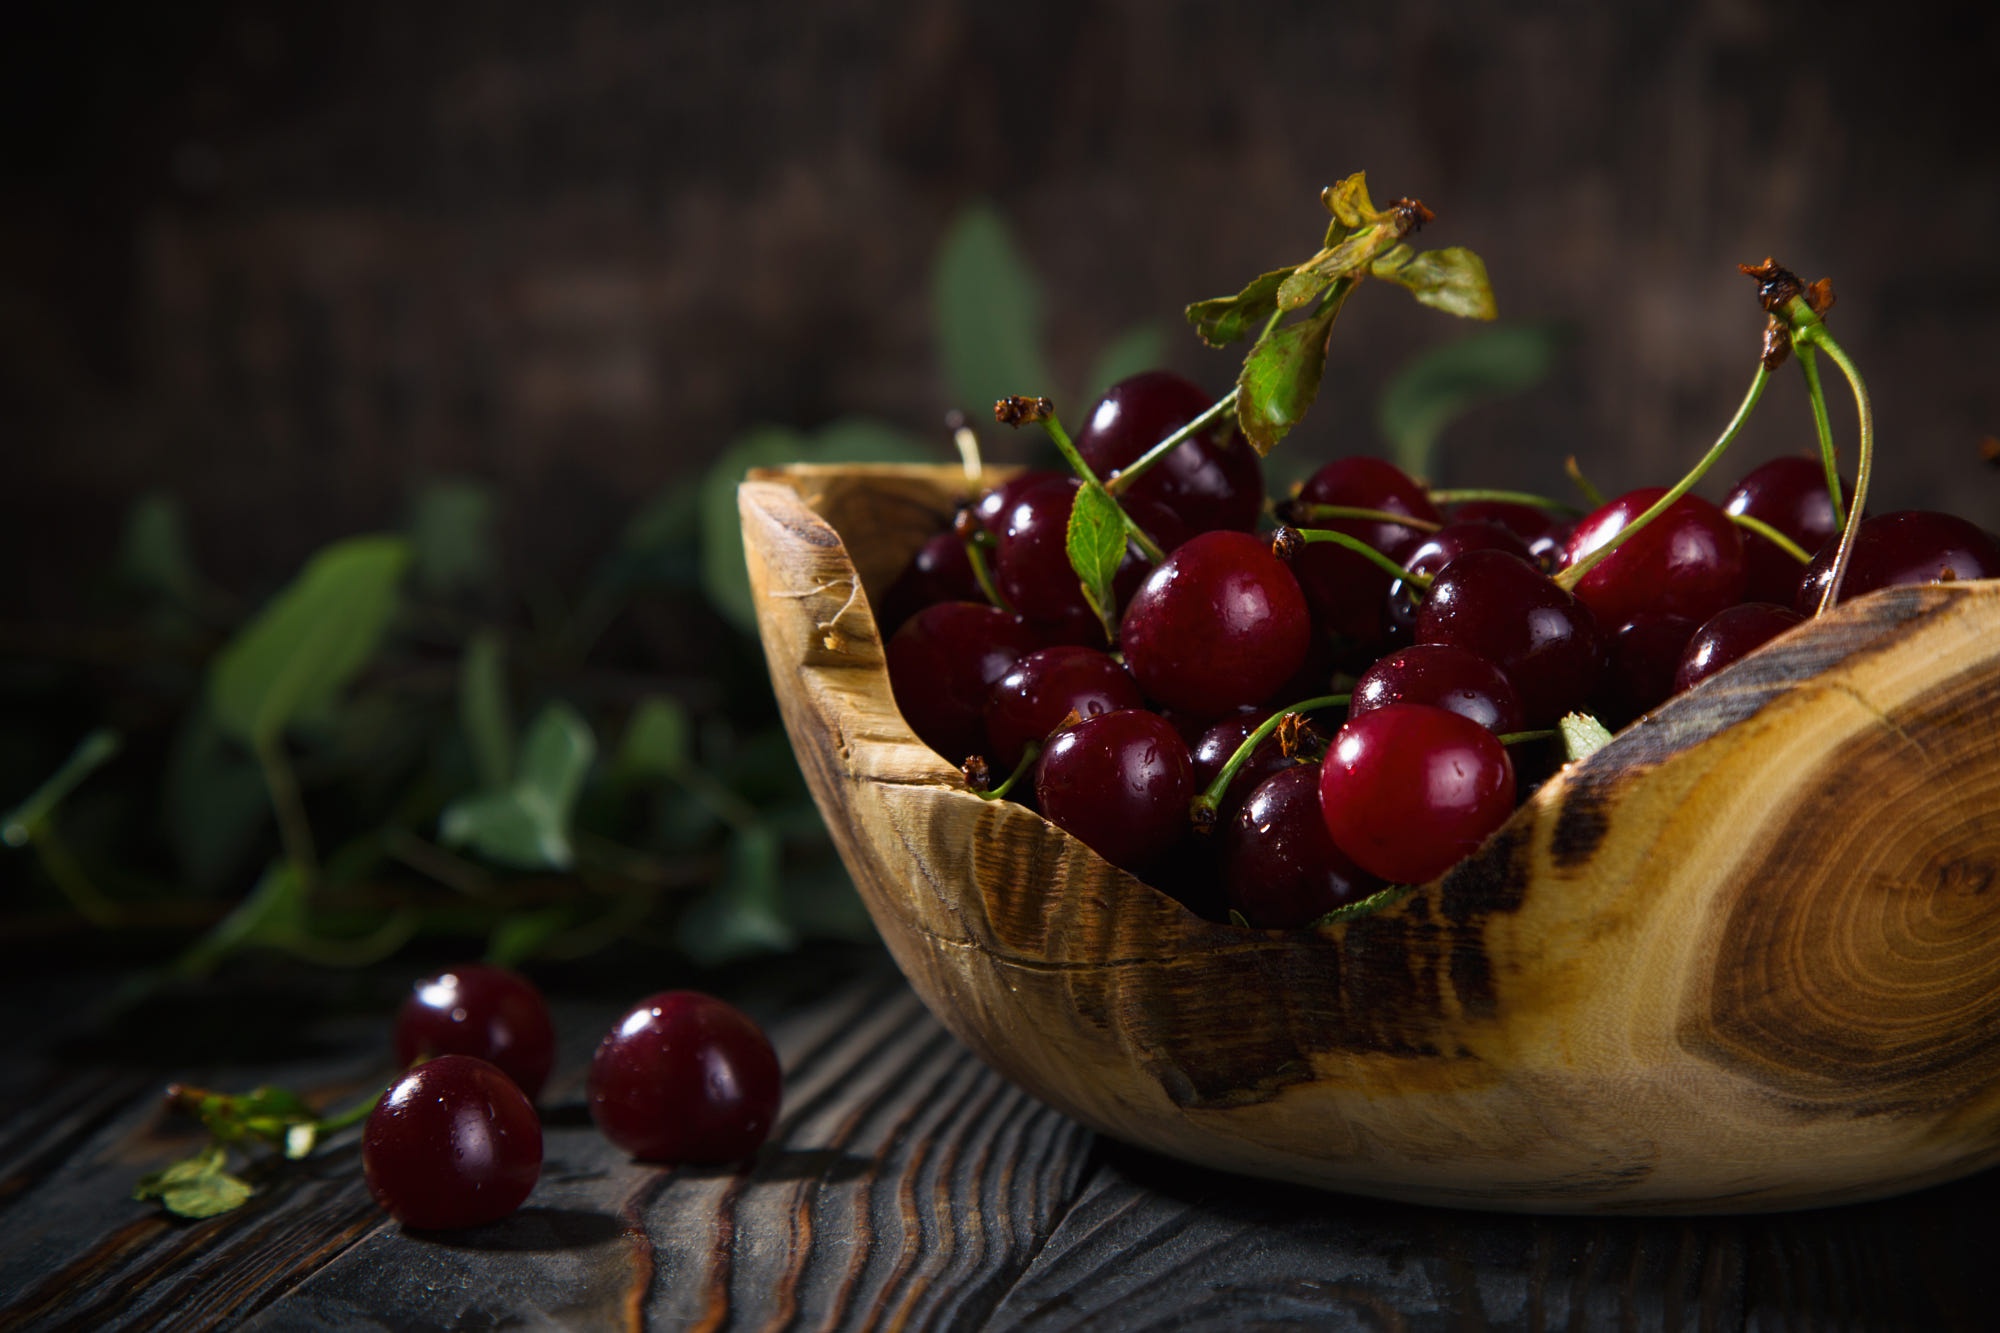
(1346, 591)
(1687, 562)
(1788, 494)
(454, 1143)
(1433, 553)
(488, 1012)
(945, 662)
(993, 505)
(1220, 742)
(1640, 660)
(1729, 635)
(1409, 791)
(1441, 676)
(1211, 480)
(1121, 782)
(1045, 687)
(1544, 534)
(1220, 624)
(1031, 565)
(1503, 609)
(1907, 546)
(940, 571)
(685, 1077)
(1280, 865)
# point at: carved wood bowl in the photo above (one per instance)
(1744, 958)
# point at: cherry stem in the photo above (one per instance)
(1147, 546)
(1028, 757)
(1569, 578)
(1590, 493)
(1302, 510)
(1771, 535)
(1522, 737)
(975, 555)
(1287, 536)
(1465, 495)
(1815, 333)
(353, 1115)
(967, 445)
(1809, 367)
(1121, 480)
(1203, 810)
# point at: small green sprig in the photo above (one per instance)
(203, 1185)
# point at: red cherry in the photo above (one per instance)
(684, 1077)
(1280, 866)
(1220, 624)
(1907, 546)
(1788, 494)
(1045, 687)
(1211, 480)
(1409, 791)
(487, 1012)
(1031, 566)
(454, 1143)
(945, 662)
(940, 571)
(1505, 610)
(1642, 656)
(1687, 562)
(1729, 635)
(1214, 747)
(1346, 591)
(1440, 676)
(1121, 783)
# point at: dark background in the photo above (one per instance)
(286, 261)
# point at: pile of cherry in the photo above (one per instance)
(1460, 642)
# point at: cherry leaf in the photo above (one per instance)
(1582, 735)
(1227, 319)
(199, 1186)
(1281, 375)
(1452, 280)
(1096, 545)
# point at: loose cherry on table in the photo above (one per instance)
(1220, 624)
(454, 1143)
(1280, 865)
(685, 1077)
(1211, 480)
(1408, 791)
(1121, 783)
(1907, 546)
(1687, 562)
(1500, 607)
(489, 1012)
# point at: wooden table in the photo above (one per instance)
(907, 1187)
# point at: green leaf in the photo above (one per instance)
(1440, 386)
(743, 914)
(318, 633)
(482, 710)
(93, 752)
(986, 302)
(1350, 206)
(527, 826)
(1096, 543)
(1227, 319)
(725, 577)
(656, 741)
(1374, 902)
(1452, 280)
(1281, 375)
(1582, 735)
(451, 534)
(155, 553)
(1132, 351)
(199, 1186)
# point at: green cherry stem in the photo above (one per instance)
(1147, 546)
(353, 1115)
(1028, 758)
(1771, 535)
(1302, 510)
(1816, 334)
(1584, 487)
(1285, 543)
(1522, 737)
(1570, 577)
(975, 555)
(1203, 809)
(1809, 367)
(1121, 480)
(1468, 494)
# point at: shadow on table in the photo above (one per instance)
(536, 1231)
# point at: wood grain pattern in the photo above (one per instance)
(1740, 959)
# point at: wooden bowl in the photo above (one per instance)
(1746, 957)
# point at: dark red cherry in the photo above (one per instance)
(1045, 687)
(1220, 624)
(1121, 782)
(993, 506)
(1211, 480)
(1544, 534)
(1640, 661)
(487, 1012)
(940, 571)
(1409, 791)
(1346, 591)
(1788, 494)
(1436, 551)
(945, 662)
(1687, 562)
(1907, 546)
(1503, 609)
(1729, 635)
(454, 1143)
(1280, 866)
(684, 1077)
(1216, 745)
(1441, 676)
(1031, 565)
